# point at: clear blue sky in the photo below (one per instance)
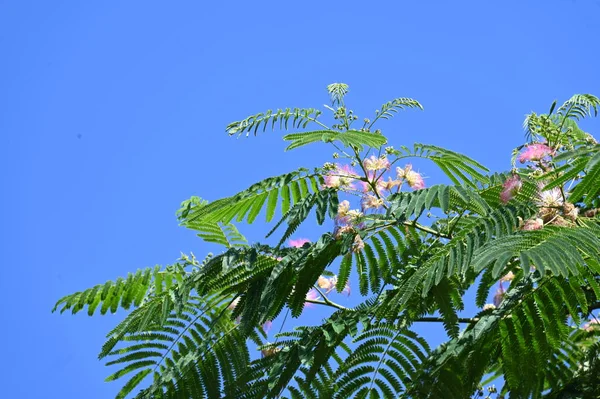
(113, 112)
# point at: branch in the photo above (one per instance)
(325, 301)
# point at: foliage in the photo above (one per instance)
(529, 238)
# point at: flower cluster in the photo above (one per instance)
(535, 152)
(298, 242)
(328, 284)
(510, 188)
(414, 179)
(341, 177)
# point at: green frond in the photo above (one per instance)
(349, 138)
(384, 361)
(296, 118)
(288, 189)
(123, 292)
(458, 167)
(559, 250)
(387, 110)
(405, 205)
(225, 234)
(457, 255)
(194, 353)
(579, 106)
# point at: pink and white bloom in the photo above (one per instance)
(499, 296)
(549, 198)
(535, 152)
(414, 179)
(329, 284)
(358, 244)
(340, 177)
(373, 163)
(312, 295)
(343, 208)
(533, 224)
(299, 242)
(388, 185)
(489, 306)
(510, 188)
(267, 326)
(371, 201)
(507, 277)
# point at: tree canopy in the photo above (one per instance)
(529, 238)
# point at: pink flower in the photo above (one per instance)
(499, 296)
(269, 351)
(374, 163)
(340, 177)
(299, 242)
(328, 284)
(535, 152)
(510, 188)
(533, 224)
(343, 208)
(267, 326)
(312, 295)
(388, 185)
(508, 277)
(370, 201)
(343, 230)
(358, 244)
(414, 179)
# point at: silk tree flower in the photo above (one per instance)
(507, 277)
(358, 244)
(343, 208)
(270, 351)
(550, 198)
(510, 188)
(388, 185)
(373, 163)
(328, 284)
(299, 242)
(533, 224)
(341, 230)
(499, 296)
(267, 326)
(366, 187)
(340, 177)
(312, 295)
(489, 306)
(535, 152)
(414, 179)
(371, 201)
(570, 211)
(354, 215)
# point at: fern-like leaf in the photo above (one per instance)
(288, 118)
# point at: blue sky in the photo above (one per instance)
(112, 113)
